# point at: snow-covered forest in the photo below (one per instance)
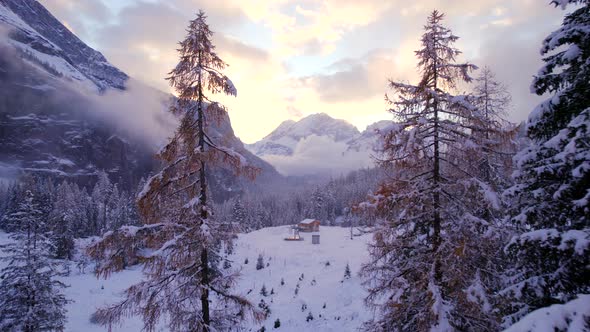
(466, 221)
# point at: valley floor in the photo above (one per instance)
(335, 303)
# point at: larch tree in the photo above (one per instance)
(551, 197)
(423, 273)
(493, 133)
(30, 295)
(180, 245)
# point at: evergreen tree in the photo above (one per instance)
(184, 237)
(551, 258)
(14, 197)
(61, 223)
(260, 262)
(318, 205)
(30, 298)
(103, 198)
(421, 257)
(239, 215)
(347, 273)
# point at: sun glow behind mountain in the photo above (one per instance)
(290, 59)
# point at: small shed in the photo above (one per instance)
(315, 238)
(309, 225)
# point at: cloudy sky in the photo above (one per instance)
(291, 58)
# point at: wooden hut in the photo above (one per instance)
(309, 225)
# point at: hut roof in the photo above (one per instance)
(308, 221)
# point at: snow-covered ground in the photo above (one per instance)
(336, 304)
(322, 282)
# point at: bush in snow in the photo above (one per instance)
(277, 324)
(309, 317)
(265, 308)
(263, 291)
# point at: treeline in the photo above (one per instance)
(330, 202)
(67, 210)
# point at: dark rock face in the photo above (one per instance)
(45, 129)
(46, 123)
(52, 37)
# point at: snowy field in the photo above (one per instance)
(335, 304)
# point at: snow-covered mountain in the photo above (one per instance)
(318, 143)
(284, 139)
(366, 140)
(39, 35)
(66, 112)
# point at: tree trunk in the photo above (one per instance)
(204, 213)
(436, 185)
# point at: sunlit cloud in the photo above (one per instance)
(292, 58)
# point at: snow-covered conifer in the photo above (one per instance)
(239, 215)
(61, 220)
(103, 199)
(260, 262)
(551, 206)
(347, 273)
(30, 296)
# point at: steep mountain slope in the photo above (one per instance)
(68, 113)
(368, 138)
(40, 35)
(318, 144)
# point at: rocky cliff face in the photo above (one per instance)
(47, 125)
(46, 129)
